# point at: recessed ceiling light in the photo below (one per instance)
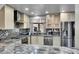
(26, 9)
(63, 10)
(46, 12)
(32, 12)
(36, 17)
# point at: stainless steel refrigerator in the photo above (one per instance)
(68, 34)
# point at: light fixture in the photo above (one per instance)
(46, 12)
(26, 9)
(62, 10)
(32, 12)
(36, 17)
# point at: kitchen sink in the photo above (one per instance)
(14, 38)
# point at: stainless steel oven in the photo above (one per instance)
(48, 40)
(25, 40)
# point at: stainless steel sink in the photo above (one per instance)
(14, 38)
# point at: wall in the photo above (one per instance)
(77, 26)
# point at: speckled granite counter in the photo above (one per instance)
(9, 43)
(37, 49)
(14, 46)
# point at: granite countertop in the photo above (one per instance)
(7, 43)
(12, 46)
(12, 38)
(37, 49)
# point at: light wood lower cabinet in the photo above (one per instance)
(34, 40)
(41, 40)
(56, 41)
(28, 40)
(37, 40)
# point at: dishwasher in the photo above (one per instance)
(48, 40)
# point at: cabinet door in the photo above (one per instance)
(40, 40)
(56, 41)
(37, 40)
(28, 40)
(34, 39)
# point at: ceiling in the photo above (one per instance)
(40, 9)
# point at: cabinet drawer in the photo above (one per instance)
(56, 41)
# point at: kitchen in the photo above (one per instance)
(37, 29)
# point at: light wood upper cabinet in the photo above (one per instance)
(66, 17)
(2, 18)
(7, 18)
(53, 21)
(21, 20)
(25, 20)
